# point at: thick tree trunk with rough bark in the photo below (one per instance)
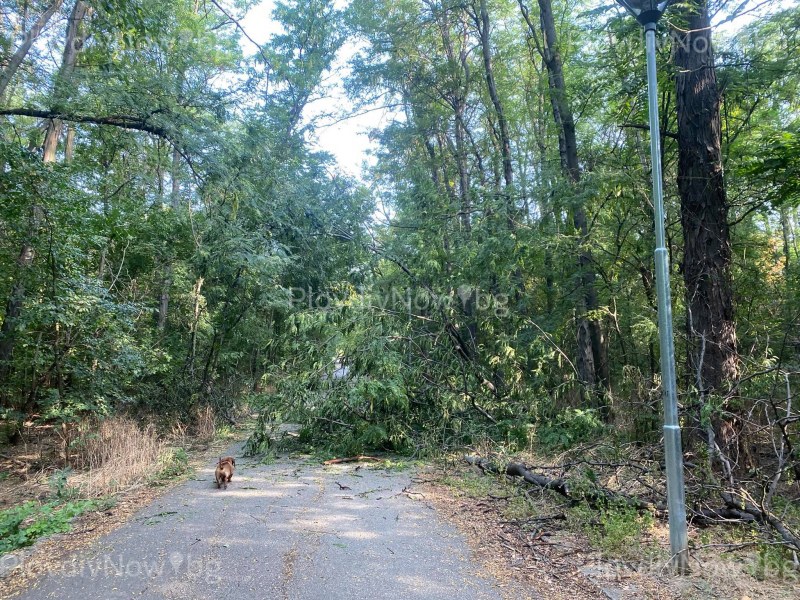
(704, 206)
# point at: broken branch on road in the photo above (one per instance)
(359, 458)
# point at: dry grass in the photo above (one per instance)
(118, 454)
(105, 456)
(51, 555)
(204, 427)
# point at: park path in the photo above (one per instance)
(292, 530)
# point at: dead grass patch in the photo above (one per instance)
(204, 427)
(119, 453)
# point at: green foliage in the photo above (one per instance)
(260, 441)
(162, 265)
(572, 426)
(778, 165)
(172, 463)
(773, 563)
(192, 245)
(60, 488)
(615, 531)
(23, 524)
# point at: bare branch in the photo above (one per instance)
(121, 121)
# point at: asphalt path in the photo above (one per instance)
(290, 530)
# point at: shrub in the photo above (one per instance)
(572, 426)
(173, 462)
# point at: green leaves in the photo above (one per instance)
(22, 525)
(164, 271)
(777, 165)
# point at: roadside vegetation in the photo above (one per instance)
(108, 460)
(176, 252)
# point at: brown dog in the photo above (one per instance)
(224, 471)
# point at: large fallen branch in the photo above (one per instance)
(122, 121)
(349, 459)
(736, 509)
(596, 497)
(763, 516)
(706, 517)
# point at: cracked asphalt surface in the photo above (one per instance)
(286, 531)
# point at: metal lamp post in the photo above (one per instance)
(648, 12)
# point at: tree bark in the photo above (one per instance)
(72, 45)
(69, 144)
(482, 22)
(704, 207)
(122, 121)
(196, 310)
(19, 55)
(592, 362)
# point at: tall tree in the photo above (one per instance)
(592, 360)
(75, 37)
(30, 36)
(72, 44)
(482, 22)
(704, 206)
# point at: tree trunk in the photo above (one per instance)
(505, 141)
(704, 206)
(175, 195)
(51, 138)
(197, 307)
(786, 235)
(163, 301)
(30, 36)
(457, 100)
(592, 360)
(72, 45)
(69, 144)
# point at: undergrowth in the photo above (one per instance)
(22, 525)
(110, 456)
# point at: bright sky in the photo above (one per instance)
(348, 139)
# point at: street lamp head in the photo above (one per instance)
(647, 12)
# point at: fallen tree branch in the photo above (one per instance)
(762, 516)
(349, 459)
(714, 516)
(596, 497)
(736, 509)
